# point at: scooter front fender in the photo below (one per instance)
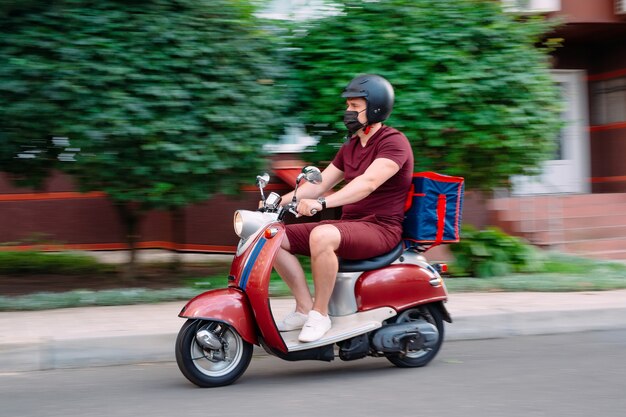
(227, 305)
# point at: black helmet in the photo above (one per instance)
(378, 93)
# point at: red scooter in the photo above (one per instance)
(391, 306)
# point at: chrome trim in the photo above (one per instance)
(342, 301)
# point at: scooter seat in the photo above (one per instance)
(350, 265)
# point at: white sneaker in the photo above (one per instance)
(315, 327)
(292, 321)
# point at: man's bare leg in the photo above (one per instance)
(290, 270)
(324, 241)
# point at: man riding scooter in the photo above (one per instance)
(386, 300)
(376, 164)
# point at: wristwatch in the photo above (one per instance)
(322, 201)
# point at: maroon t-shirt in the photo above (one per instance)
(387, 201)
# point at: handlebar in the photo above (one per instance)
(291, 208)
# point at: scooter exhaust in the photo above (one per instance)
(400, 337)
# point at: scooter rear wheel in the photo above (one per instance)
(417, 358)
(208, 367)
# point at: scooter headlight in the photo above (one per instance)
(238, 223)
(247, 222)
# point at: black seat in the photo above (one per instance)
(348, 265)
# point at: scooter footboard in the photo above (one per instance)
(227, 305)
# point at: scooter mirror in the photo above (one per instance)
(312, 174)
(262, 180)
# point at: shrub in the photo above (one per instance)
(31, 262)
(491, 252)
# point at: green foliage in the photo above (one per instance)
(576, 265)
(560, 272)
(473, 89)
(491, 252)
(84, 298)
(29, 262)
(518, 282)
(538, 283)
(169, 101)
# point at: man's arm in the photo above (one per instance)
(331, 176)
(374, 176)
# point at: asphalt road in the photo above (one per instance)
(576, 374)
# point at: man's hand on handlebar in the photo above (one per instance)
(308, 207)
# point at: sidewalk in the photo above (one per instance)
(94, 336)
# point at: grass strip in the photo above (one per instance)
(549, 282)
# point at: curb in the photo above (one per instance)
(498, 326)
(125, 335)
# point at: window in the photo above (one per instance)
(608, 101)
(531, 6)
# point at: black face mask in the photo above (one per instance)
(351, 120)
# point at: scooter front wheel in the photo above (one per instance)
(211, 354)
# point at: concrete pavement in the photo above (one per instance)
(94, 336)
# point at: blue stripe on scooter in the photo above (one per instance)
(250, 263)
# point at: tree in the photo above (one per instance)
(168, 101)
(473, 89)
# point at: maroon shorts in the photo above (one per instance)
(360, 239)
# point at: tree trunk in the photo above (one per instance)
(130, 218)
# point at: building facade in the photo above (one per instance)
(590, 68)
(583, 186)
(578, 203)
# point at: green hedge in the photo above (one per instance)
(32, 262)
